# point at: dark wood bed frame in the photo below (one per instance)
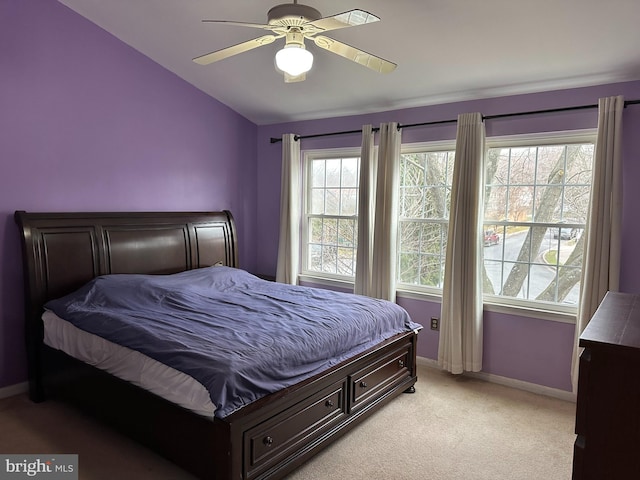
(266, 439)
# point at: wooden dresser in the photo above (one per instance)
(607, 446)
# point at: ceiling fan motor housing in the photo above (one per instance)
(292, 15)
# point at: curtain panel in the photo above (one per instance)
(366, 213)
(460, 342)
(290, 200)
(385, 226)
(601, 260)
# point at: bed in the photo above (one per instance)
(265, 438)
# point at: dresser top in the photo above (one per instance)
(615, 323)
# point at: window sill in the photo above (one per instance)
(516, 310)
(325, 281)
(540, 314)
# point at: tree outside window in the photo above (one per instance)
(331, 215)
(536, 202)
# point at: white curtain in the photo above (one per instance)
(366, 210)
(289, 241)
(460, 344)
(383, 263)
(601, 259)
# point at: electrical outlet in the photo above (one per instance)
(435, 323)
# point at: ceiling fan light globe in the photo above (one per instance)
(294, 60)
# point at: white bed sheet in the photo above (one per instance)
(127, 364)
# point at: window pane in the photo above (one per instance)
(545, 192)
(332, 205)
(332, 208)
(334, 169)
(576, 203)
(347, 233)
(425, 196)
(349, 201)
(346, 262)
(431, 271)
(349, 172)
(551, 165)
(330, 231)
(317, 201)
(315, 257)
(579, 170)
(520, 163)
(437, 201)
(439, 167)
(409, 268)
(329, 258)
(548, 206)
(317, 173)
(412, 202)
(495, 202)
(315, 230)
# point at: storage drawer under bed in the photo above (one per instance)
(294, 431)
(281, 436)
(369, 382)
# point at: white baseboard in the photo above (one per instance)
(12, 390)
(508, 382)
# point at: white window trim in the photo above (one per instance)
(436, 146)
(495, 304)
(420, 147)
(567, 137)
(507, 308)
(308, 155)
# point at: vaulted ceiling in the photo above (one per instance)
(446, 50)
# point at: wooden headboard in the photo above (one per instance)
(63, 251)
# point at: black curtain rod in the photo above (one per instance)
(442, 122)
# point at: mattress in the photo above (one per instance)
(127, 364)
(241, 337)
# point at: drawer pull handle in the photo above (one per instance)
(363, 384)
(268, 441)
(329, 403)
(401, 363)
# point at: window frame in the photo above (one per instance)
(421, 147)
(307, 157)
(491, 303)
(505, 304)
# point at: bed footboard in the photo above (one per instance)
(283, 430)
(265, 440)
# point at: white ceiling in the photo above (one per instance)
(446, 50)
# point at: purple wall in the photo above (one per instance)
(87, 123)
(522, 348)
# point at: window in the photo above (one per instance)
(425, 196)
(536, 205)
(331, 213)
(535, 208)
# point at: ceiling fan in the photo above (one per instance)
(296, 23)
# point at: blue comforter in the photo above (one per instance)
(238, 335)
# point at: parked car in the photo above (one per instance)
(491, 238)
(564, 233)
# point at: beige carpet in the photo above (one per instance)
(453, 428)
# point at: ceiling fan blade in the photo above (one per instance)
(350, 18)
(241, 24)
(292, 79)
(235, 49)
(347, 51)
